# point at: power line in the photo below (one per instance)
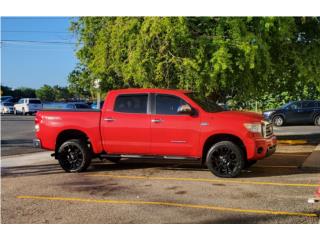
(31, 31)
(31, 41)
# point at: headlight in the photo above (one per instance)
(268, 113)
(37, 127)
(253, 127)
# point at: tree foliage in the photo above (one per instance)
(55, 93)
(266, 59)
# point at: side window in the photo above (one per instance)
(20, 101)
(295, 105)
(131, 103)
(168, 104)
(308, 104)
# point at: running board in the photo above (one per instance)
(147, 156)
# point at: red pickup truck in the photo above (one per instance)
(156, 123)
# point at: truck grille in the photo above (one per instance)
(267, 129)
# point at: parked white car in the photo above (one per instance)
(6, 107)
(27, 106)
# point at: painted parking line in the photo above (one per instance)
(292, 142)
(205, 180)
(169, 204)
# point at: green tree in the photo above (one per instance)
(46, 93)
(246, 59)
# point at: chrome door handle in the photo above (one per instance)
(109, 119)
(156, 120)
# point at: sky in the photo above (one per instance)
(33, 64)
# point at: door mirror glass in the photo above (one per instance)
(185, 109)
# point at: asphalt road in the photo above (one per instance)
(17, 133)
(275, 190)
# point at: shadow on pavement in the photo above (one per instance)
(277, 165)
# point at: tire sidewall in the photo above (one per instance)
(275, 122)
(237, 151)
(84, 150)
(317, 120)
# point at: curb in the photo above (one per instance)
(313, 161)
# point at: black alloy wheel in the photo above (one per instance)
(225, 159)
(74, 155)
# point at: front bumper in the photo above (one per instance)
(36, 143)
(264, 147)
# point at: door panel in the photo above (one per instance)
(293, 114)
(173, 134)
(127, 130)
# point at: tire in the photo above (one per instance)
(225, 159)
(317, 120)
(15, 111)
(114, 159)
(74, 155)
(248, 164)
(278, 121)
(23, 112)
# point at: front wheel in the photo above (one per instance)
(74, 155)
(278, 121)
(225, 159)
(317, 120)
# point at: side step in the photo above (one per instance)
(147, 156)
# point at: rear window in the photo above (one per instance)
(131, 103)
(34, 101)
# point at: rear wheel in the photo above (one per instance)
(74, 155)
(317, 120)
(278, 121)
(225, 159)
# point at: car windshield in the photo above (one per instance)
(206, 104)
(285, 105)
(8, 104)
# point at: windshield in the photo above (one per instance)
(285, 105)
(8, 104)
(207, 105)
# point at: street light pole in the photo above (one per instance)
(96, 85)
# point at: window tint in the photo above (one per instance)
(295, 105)
(33, 101)
(133, 103)
(69, 106)
(168, 104)
(82, 105)
(308, 104)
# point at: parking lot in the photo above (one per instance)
(36, 190)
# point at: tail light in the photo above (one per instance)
(37, 121)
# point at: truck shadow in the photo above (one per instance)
(265, 168)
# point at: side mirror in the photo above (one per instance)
(185, 109)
